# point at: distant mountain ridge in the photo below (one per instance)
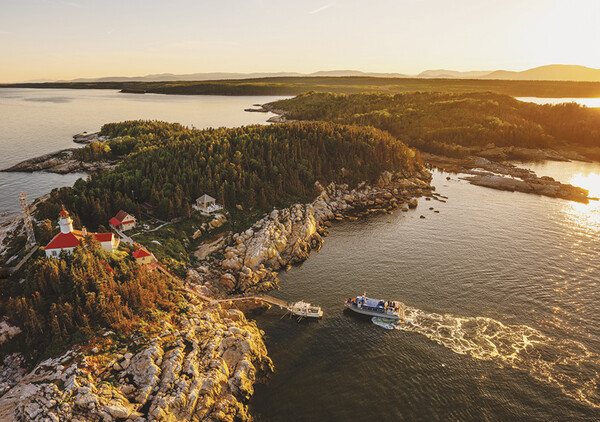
(553, 72)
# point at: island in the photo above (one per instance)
(147, 330)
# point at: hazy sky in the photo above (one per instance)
(66, 39)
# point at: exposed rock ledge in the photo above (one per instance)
(203, 369)
(506, 176)
(286, 237)
(59, 162)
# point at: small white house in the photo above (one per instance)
(206, 204)
(68, 238)
(123, 221)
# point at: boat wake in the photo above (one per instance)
(567, 364)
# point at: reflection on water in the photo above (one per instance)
(589, 181)
(504, 289)
(585, 216)
(565, 363)
(582, 217)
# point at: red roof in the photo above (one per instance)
(103, 237)
(114, 222)
(63, 212)
(141, 253)
(63, 240)
(72, 239)
(121, 215)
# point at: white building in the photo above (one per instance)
(206, 204)
(68, 239)
(123, 221)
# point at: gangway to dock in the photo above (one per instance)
(264, 298)
(300, 309)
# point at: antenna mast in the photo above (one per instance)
(27, 219)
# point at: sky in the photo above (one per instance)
(67, 39)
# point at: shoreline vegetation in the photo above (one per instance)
(341, 84)
(481, 134)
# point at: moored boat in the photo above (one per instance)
(305, 310)
(375, 307)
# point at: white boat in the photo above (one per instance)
(305, 310)
(375, 307)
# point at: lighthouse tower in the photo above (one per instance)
(65, 222)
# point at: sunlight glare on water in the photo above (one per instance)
(585, 216)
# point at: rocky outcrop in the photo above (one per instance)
(59, 162)
(202, 368)
(286, 236)
(88, 138)
(506, 176)
(545, 185)
(7, 331)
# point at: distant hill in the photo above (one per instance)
(451, 74)
(553, 72)
(219, 76)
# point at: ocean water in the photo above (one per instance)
(40, 121)
(502, 295)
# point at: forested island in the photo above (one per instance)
(122, 340)
(342, 84)
(465, 133)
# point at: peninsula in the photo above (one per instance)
(100, 335)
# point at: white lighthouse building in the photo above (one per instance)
(68, 238)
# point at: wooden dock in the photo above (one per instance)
(264, 298)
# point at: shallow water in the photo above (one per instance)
(503, 297)
(41, 121)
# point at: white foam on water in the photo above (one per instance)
(567, 364)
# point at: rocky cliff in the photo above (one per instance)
(202, 368)
(286, 236)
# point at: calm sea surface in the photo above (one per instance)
(503, 297)
(39, 121)
(502, 289)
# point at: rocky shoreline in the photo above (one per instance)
(251, 259)
(506, 176)
(60, 163)
(202, 367)
(490, 166)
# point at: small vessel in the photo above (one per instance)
(305, 310)
(375, 307)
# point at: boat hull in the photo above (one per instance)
(361, 311)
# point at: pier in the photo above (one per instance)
(264, 298)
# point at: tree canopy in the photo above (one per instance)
(169, 166)
(445, 122)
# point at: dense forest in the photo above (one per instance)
(169, 166)
(445, 123)
(341, 84)
(65, 301)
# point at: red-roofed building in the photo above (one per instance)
(123, 221)
(143, 257)
(68, 239)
